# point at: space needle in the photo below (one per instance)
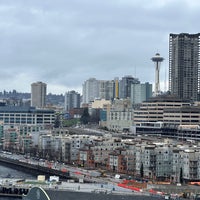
(157, 59)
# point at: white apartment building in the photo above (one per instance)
(149, 162)
(90, 90)
(97, 89)
(190, 164)
(104, 147)
(113, 162)
(120, 115)
(130, 155)
(72, 100)
(44, 145)
(75, 143)
(146, 156)
(176, 164)
(164, 160)
(106, 89)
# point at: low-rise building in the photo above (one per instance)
(120, 115)
(86, 157)
(18, 115)
(153, 110)
(186, 115)
(117, 161)
(164, 160)
(176, 164)
(190, 165)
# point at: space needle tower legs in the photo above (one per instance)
(157, 59)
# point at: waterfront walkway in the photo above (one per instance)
(18, 188)
(100, 184)
(7, 185)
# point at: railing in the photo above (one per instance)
(33, 169)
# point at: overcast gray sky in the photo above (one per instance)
(65, 42)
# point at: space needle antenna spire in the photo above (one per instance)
(157, 59)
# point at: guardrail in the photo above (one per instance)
(33, 169)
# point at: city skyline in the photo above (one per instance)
(65, 43)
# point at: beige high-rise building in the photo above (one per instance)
(38, 94)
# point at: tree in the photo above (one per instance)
(95, 116)
(57, 121)
(181, 175)
(141, 170)
(85, 118)
(70, 122)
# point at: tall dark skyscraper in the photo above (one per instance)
(184, 65)
(125, 86)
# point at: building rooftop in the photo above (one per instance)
(166, 98)
(89, 194)
(25, 109)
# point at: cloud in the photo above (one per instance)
(67, 42)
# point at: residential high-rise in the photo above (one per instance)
(106, 89)
(72, 100)
(90, 90)
(125, 86)
(184, 65)
(38, 94)
(141, 92)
